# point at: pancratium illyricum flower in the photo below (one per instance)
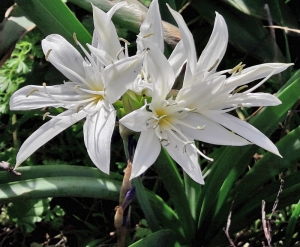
(96, 82)
(199, 111)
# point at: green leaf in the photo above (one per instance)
(292, 225)
(54, 17)
(26, 214)
(232, 162)
(245, 32)
(162, 238)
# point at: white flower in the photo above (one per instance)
(199, 112)
(93, 87)
(212, 95)
(152, 31)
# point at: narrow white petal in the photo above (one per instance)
(216, 46)
(137, 120)
(108, 39)
(160, 71)
(63, 56)
(147, 151)
(103, 56)
(186, 157)
(98, 129)
(178, 58)
(34, 97)
(210, 131)
(187, 39)
(251, 74)
(119, 75)
(46, 132)
(152, 25)
(245, 100)
(245, 130)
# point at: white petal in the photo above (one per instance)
(63, 56)
(108, 39)
(178, 58)
(137, 120)
(160, 71)
(46, 132)
(147, 151)
(251, 74)
(152, 25)
(103, 56)
(187, 39)
(212, 133)
(245, 130)
(186, 157)
(39, 99)
(216, 46)
(245, 100)
(98, 129)
(119, 75)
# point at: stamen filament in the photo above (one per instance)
(45, 115)
(68, 102)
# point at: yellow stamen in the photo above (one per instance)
(148, 35)
(45, 115)
(236, 68)
(47, 55)
(201, 127)
(79, 108)
(241, 68)
(241, 106)
(75, 88)
(32, 91)
(239, 89)
(214, 65)
(75, 38)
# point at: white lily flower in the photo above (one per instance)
(212, 95)
(93, 88)
(151, 30)
(199, 112)
(164, 122)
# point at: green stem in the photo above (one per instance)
(173, 183)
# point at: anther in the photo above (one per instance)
(45, 115)
(201, 127)
(239, 89)
(47, 55)
(241, 68)
(79, 108)
(164, 140)
(236, 68)
(75, 38)
(214, 65)
(241, 106)
(125, 41)
(118, 54)
(148, 35)
(75, 88)
(32, 91)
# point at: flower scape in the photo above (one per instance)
(199, 110)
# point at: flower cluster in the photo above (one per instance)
(199, 111)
